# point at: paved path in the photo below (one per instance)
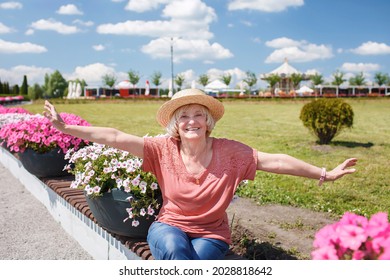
(27, 230)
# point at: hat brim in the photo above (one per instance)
(165, 113)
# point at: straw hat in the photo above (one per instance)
(186, 97)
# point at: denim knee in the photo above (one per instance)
(168, 242)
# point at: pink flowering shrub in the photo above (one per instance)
(99, 169)
(7, 110)
(354, 237)
(40, 135)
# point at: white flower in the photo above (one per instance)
(142, 212)
(143, 186)
(154, 186)
(135, 223)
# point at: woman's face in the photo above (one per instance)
(192, 122)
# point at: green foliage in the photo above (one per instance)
(250, 79)
(55, 85)
(338, 78)
(203, 79)
(357, 80)
(179, 80)
(24, 87)
(296, 79)
(316, 79)
(35, 92)
(326, 118)
(226, 79)
(272, 79)
(381, 78)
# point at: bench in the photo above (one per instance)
(76, 198)
(69, 207)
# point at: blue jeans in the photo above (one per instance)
(171, 243)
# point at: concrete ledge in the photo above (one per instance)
(99, 243)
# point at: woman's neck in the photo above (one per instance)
(195, 149)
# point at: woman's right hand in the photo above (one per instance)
(55, 118)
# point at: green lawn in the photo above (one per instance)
(274, 126)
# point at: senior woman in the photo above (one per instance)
(198, 174)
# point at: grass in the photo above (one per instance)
(274, 126)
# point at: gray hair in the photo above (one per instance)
(173, 128)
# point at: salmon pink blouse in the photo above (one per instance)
(197, 205)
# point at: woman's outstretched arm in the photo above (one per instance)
(102, 135)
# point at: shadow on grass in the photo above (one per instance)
(349, 144)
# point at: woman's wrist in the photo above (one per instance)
(323, 176)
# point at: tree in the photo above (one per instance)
(326, 118)
(179, 80)
(203, 80)
(226, 79)
(156, 80)
(338, 78)
(55, 85)
(15, 90)
(134, 78)
(357, 80)
(109, 80)
(296, 79)
(381, 78)
(316, 79)
(24, 88)
(272, 80)
(35, 92)
(250, 80)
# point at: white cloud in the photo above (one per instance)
(372, 48)
(141, 6)
(93, 73)
(29, 31)
(283, 42)
(26, 47)
(269, 6)
(11, 5)
(53, 25)
(5, 29)
(184, 49)
(69, 9)
(83, 23)
(297, 51)
(98, 47)
(360, 67)
(237, 75)
(15, 74)
(188, 18)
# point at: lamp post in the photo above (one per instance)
(173, 83)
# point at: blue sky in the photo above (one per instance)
(87, 39)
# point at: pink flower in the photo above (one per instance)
(354, 237)
(325, 253)
(38, 134)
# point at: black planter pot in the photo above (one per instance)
(50, 164)
(109, 211)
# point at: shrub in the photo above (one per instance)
(326, 118)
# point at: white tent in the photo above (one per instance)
(304, 89)
(124, 84)
(215, 85)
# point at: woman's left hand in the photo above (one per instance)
(341, 170)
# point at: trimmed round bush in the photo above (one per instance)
(326, 118)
